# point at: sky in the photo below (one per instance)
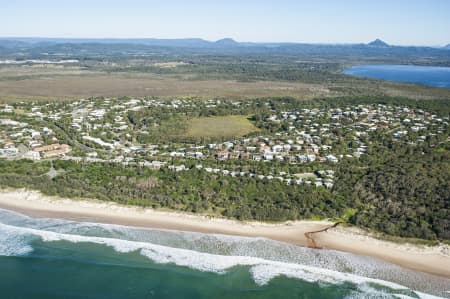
(398, 22)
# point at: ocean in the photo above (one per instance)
(427, 75)
(53, 258)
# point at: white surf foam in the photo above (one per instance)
(13, 244)
(262, 270)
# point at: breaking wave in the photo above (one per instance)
(18, 241)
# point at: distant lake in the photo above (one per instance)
(427, 75)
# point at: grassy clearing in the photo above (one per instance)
(220, 127)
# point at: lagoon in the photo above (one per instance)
(426, 75)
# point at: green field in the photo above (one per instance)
(220, 127)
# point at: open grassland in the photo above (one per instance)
(116, 85)
(70, 82)
(220, 126)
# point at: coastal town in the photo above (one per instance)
(295, 146)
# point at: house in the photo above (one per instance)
(32, 155)
(331, 158)
(156, 164)
(321, 159)
(311, 157)
(256, 158)
(234, 155)
(176, 154)
(33, 144)
(9, 151)
(228, 144)
(290, 159)
(9, 144)
(268, 156)
(7, 109)
(53, 150)
(277, 148)
(244, 156)
(35, 134)
(99, 141)
(49, 147)
(315, 148)
(136, 148)
(222, 155)
(61, 151)
(302, 158)
(198, 155)
(400, 134)
(177, 168)
(190, 154)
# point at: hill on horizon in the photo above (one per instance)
(227, 42)
(378, 43)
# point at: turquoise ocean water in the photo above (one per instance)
(51, 258)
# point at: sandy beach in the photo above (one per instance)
(434, 260)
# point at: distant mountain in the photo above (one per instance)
(161, 42)
(74, 46)
(13, 43)
(378, 43)
(227, 42)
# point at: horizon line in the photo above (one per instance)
(212, 41)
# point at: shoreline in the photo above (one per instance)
(429, 259)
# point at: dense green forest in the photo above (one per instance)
(402, 191)
(193, 191)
